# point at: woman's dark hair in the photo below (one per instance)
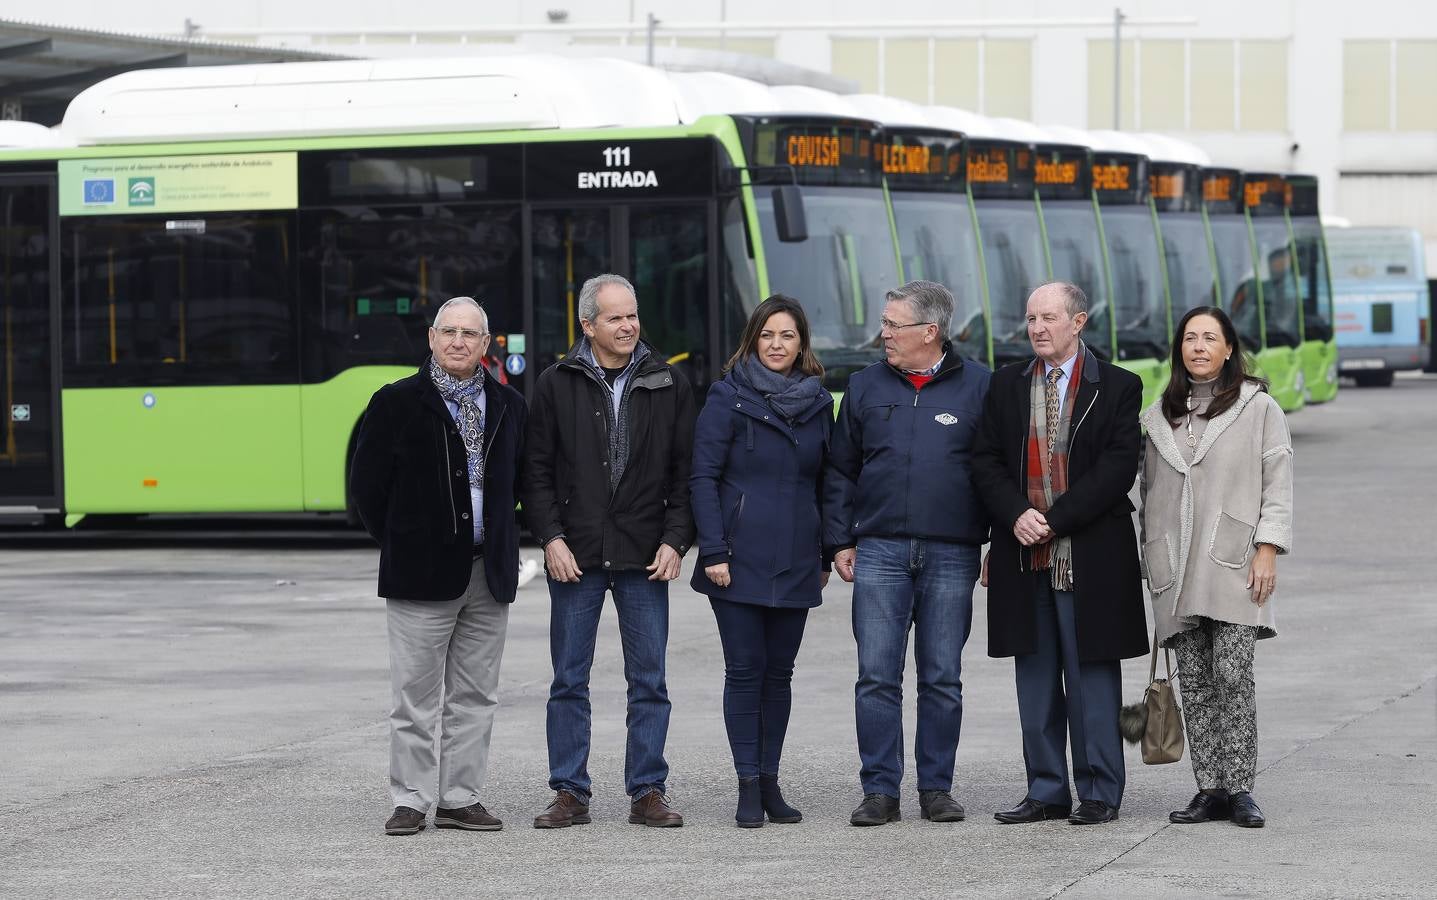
(1229, 380)
(806, 362)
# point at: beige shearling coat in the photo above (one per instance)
(1202, 522)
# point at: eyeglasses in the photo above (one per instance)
(890, 325)
(449, 333)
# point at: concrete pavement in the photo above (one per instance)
(184, 717)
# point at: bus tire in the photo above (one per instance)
(1373, 379)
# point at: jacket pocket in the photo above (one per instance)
(1231, 541)
(1158, 558)
(731, 525)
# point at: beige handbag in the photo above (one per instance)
(1157, 722)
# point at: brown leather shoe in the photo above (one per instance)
(653, 810)
(566, 809)
(470, 818)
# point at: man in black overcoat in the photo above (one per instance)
(1055, 457)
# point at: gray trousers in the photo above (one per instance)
(444, 668)
(1219, 703)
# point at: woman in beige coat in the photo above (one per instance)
(1217, 512)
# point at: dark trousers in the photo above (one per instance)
(760, 644)
(1057, 692)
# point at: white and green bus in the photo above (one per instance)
(209, 278)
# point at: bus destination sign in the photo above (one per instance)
(1174, 187)
(1120, 178)
(1222, 190)
(664, 167)
(917, 160)
(1000, 169)
(1063, 173)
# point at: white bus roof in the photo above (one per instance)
(971, 124)
(384, 96)
(889, 110)
(698, 94)
(16, 135)
(1169, 149)
(799, 98)
(1020, 130)
(1117, 142)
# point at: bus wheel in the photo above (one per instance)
(1373, 379)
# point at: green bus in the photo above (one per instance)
(1318, 350)
(196, 325)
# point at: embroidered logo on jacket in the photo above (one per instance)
(946, 419)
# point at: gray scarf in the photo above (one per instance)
(465, 394)
(618, 423)
(789, 395)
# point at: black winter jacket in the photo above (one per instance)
(898, 465)
(566, 476)
(410, 482)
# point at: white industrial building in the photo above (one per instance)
(1345, 91)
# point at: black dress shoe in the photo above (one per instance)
(1031, 810)
(469, 818)
(406, 820)
(876, 809)
(1245, 811)
(1204, 808)
(939, 806)
(1093, 812)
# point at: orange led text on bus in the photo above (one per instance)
(813, 150)
(1112, 177)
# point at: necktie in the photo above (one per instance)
(1050, 400)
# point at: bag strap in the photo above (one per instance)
(1153, 661)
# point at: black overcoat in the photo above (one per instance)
(1096, 512)
(410, 481)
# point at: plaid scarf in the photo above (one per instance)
(1047, 473)
(465, 394)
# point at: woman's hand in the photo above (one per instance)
(1262, 575)
(718, 574)
(822, 578)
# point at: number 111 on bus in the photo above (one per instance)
(616, 156)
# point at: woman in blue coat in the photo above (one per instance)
(759, 448)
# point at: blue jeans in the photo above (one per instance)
(760, 644)
(900, 582)
(643, 608)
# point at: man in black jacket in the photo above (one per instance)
(904, 525)
(433, 477)
(607, 495)
(1054, 460)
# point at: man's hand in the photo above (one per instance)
(1032, 528)
(843, 561)
(718, 574)
(983, 575)
(665, 565)
(823, 579)
(560, 562)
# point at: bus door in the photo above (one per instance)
(643, 209)
(29, 457)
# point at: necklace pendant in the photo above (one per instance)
(1192, 440)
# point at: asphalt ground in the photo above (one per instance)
(202, 712)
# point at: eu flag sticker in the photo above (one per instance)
(99, 190)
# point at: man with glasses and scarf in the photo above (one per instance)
(434, 478)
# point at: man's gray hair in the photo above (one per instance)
(589, 293)
(461, 301)
(931, 302)
(1074, 300)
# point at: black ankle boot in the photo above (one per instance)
(773, 803)
(750, 805)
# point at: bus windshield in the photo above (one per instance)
(1077, 254)
(1014, 259)
(936, 238)
(1279, 281)
(1190, 275)
(840, 273)
(1314, 280)
(1140, 307)
(1233, 247)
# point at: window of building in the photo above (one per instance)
(1366, 85)
(992, 77)
(1100, 84)
(1164, 88)
(955, 73)
(1191, 85)
(1416, 74)
(857, 59)
(1263, 80)
(1212, 78)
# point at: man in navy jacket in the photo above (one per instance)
(903, 524)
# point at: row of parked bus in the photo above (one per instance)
(223, 264)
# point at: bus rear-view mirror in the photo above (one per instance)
(788, 213)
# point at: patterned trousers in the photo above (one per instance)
(1219, 703)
